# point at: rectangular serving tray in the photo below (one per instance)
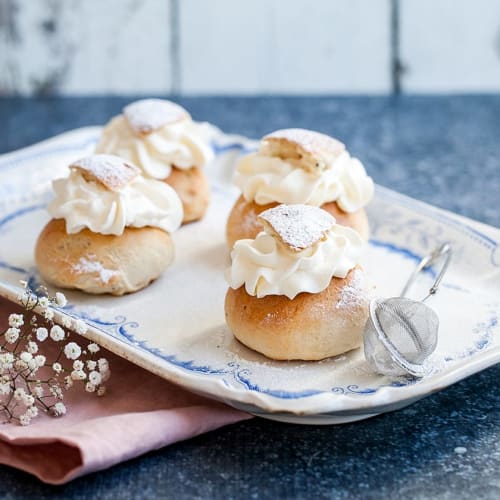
(175, 327)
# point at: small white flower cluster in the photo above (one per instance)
(29, 382)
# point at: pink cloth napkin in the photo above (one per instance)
(139, 413)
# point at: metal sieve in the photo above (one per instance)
(402, 333)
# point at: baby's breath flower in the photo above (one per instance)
(33, 365)
(61, 299)
(95, 378)
(32, 411)
(78, 365)
(32, 347)
(27, 299)
(20, 365)
(72, 350)
(5, 388)
(56, 391)
(37, 391)
(25, 419)
(93, 348)
(12, 334)
(66, 321)
(59, 409)
(19, 393)
(89, 387)
(26, 356)
(103, 364)
(48, 314)
(23, 393)
(57, 333)
(28, 400)
(80, 327)
(40, 360)
(16, 320)
(78, 375)
(41, 333)
(44, 302)
(6, 361)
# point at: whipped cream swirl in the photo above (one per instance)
(266, 267)
(88, 204)
(269, 179)
(181, 144)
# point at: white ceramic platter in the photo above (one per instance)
(175, 327)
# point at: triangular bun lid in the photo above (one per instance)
(297, 226)
(147, 115)
(113, 172)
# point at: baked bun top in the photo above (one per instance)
(297, 166)
(300, 250)
(312, 151)
(147, 115)
(156, 135)
(110, 171)
(106, 194)
(297, 226)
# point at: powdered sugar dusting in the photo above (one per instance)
(308, 140)
(148, 115)
(353, 295)
(298, 226)
(111, 171)
(87, 266)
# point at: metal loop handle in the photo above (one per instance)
(443, 251)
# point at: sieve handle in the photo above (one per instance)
(444, 251)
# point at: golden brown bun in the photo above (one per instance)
(309, 327)
(193, 189)
(243, 222)
(98, 263)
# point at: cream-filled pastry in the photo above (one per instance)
(160, 137)
(299, 166)
(110, 231)
(297, 290)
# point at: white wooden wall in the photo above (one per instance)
(285, 46)
(450, 45)
(76, 47)
(84, 46)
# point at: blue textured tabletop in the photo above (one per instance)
(443, 150)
